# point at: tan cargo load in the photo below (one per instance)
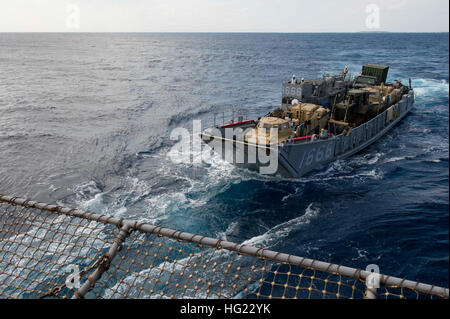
(296, 110)
(323, 116)
(307, 111)
(396, 96)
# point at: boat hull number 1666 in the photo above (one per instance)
(316, 155)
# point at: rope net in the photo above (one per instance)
(37, 246)
(45, 250)
(152, 266)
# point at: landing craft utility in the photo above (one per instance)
(319, 121)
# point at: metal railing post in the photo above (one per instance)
(370, 293)
(104, 263)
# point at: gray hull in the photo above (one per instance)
(299, 158)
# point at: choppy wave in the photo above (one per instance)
(277, 233)
(430, 88)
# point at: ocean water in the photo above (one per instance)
(85, 121)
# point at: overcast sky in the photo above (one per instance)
(224, 15)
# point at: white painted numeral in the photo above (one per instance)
(329, 152)
(319, 155)
(310, 158)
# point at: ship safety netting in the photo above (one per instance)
(48, 251)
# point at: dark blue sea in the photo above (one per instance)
(85, 121)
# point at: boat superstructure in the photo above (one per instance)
(318, 121)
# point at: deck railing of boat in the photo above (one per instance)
(221, 118)
(50, 251)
